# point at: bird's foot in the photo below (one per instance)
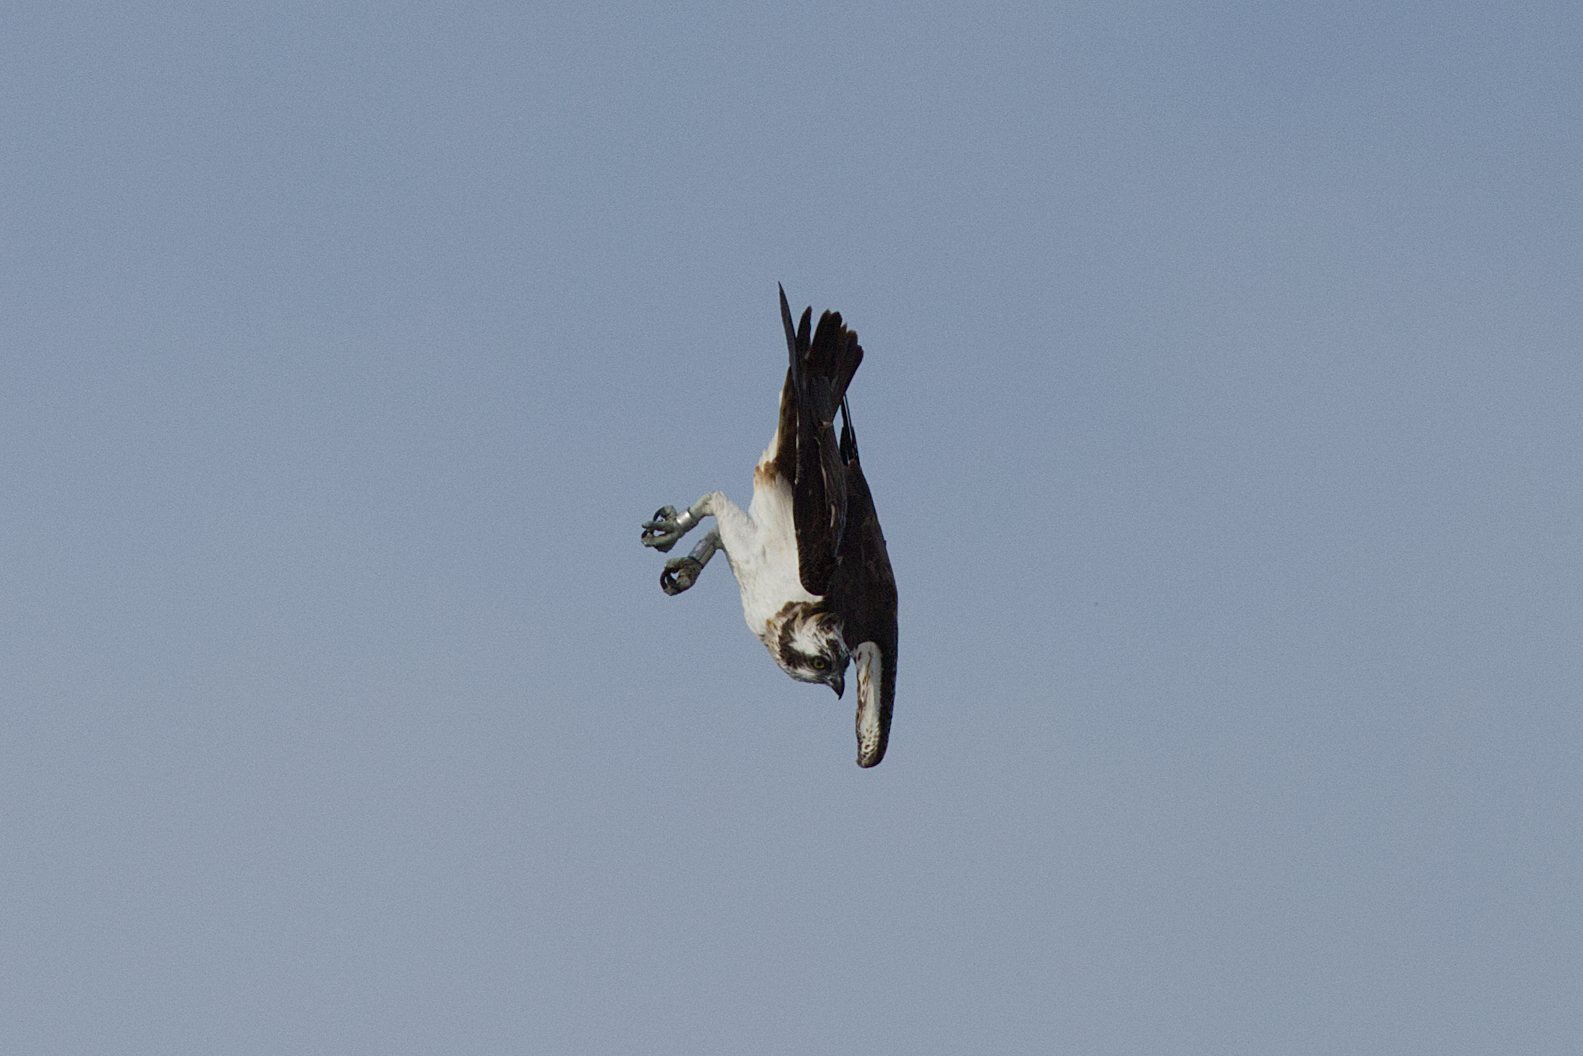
(666, 528)
(679, 574)
(682, 572)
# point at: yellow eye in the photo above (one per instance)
(819, 663)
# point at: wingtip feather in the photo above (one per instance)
(873, 733)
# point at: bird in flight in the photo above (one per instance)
(808, 553)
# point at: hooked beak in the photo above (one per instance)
(839, 684)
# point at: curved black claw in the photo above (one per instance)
(679, 574)
(662, 532)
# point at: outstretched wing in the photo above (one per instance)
(820, 370)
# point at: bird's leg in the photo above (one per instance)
(668, 527)
(682, 572)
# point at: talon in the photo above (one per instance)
(662, 532)
(679, 574)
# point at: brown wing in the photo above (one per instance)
(863, 590)
(817, 378)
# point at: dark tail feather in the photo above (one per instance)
(820, 370)
(834, 354)
(796, 338)
(791, 331)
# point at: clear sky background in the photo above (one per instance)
(1222, 408)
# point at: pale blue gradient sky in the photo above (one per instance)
(1221, 403)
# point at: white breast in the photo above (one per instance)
(762, 547)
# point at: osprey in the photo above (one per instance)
(808, 554)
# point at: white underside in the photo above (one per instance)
(761, 545)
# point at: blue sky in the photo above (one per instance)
(1220, 404)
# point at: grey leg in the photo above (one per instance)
(682, 572)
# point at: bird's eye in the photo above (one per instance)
(819, 663)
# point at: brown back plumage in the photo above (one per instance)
(817, 377)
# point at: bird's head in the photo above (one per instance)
(809, 647)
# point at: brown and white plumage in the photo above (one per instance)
(808, 553)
